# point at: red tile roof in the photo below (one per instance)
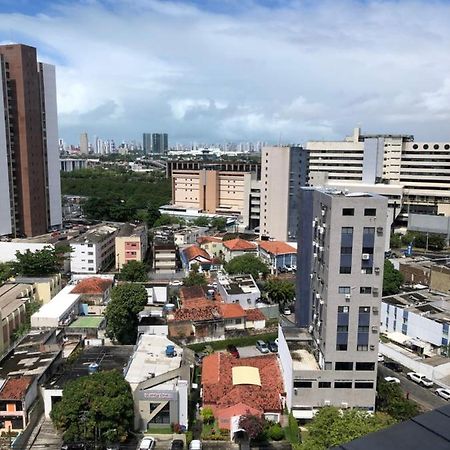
(198, 313)
(206, 239)
(192, 292)
(277, 247)
(218, 389)
(92, 285)
(232, 310)
(224, 415)
(239, 244)
(255, 314)
(194, 252)
(16, 388)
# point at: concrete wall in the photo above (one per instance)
(440, 279)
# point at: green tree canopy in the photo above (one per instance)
(396, 240)
(280, 291)
(40, 262)
(167, 219)
(331, 427)
(201, 221)
(6, 271)
(435, 241)
(133, 271)
(195, 278)
(247, 264)
(392, 279)
(95, 404)
(220, 223)
(127, 300)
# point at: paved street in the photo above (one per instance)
(425, 397)
(47, 438)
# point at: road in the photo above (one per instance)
(425, 397)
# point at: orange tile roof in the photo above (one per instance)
(16, 388)
(198, 312)
(239, 244)
(231, 310)
(224, 415)
(192, 292)
(219, 391)
(92, 285)
(277, 247)
(255, 314)
(206, 239)
(193, 252)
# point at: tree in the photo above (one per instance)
(331, 427)
(201, 221)
(280, 291)
(92, 406)
(127, 300)
(167, 219)
(418, 239)
(392, 279)
(207, 415)
(152, 215)
(195, 278)
(40, 262)
(133, 271)
(396, 240)
(6, 271)
(247, 264)
(253, 425)
(220, 223)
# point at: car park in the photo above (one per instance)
(262, 347)
(273, 347)
(393, 380)
(147, 443)
(392, 365)
(177, 444)
(233, 350)
(419, 378)
(443, 393)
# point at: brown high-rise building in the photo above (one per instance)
(30, 192)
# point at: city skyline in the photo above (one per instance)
(279, 71)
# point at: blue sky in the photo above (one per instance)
(220, 70)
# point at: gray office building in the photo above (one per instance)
(147, 142)
(333, 358)
(160, 143)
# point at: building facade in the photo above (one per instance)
(131, 244)
(147, 143)
(84, 144)
(160, 143)
(29, 154)
(339, 284)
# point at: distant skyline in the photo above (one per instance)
(241, 70)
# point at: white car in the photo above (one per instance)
(393, 380)
(444, 393)
(380, 358)
(419, 378)
(287, 312)
(147, 443)
(176, 283)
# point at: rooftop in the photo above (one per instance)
(131, 229)
(239, 245)
(254, 314)
(16, 388)
(192, 292)
(92, 285)
(95, 235)
(231, 310)
(277, 247)
(205, 239)
(302, 359)
(193, 252)
(238, 284)
(88, 322)
(12, 296)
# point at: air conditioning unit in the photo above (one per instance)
(321, 249)
(315, 255)
(380, 231)
(344, 405)
(317, 295)
(321, 302)
(348, 297)
(375, 292)
(374, 329)
(326, 403)
(324, 211)
(312, 276)
(377, 270)
(375, 309)
(314, 316)
(372, 347)
(365, 256)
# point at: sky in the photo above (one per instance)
(216, 71)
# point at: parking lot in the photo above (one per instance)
(250, 351)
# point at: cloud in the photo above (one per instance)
(243, 70)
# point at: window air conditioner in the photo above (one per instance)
(377, 270)
(348, 297)
(326, 403)
(365, 256)
(344, 405)
(375, 309)
(375, 292)
(372, 347)
(380, 231)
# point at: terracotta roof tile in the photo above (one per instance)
(255, 314)
(193, 252)
(92, 285)
(206, 239)
(16, 388)
(232, 310)
(239, 244)
(277, 247)
(192, 292)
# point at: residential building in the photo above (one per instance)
(332, 359)
(212, 244)
(94, 251)
(147, 143)
(71, 164)
(29, 154)
(278, 255)
(160, 143)
(45, 288)
(131, 244)
(95, 294)
(238, 247)
(164, 258)
(195, 255)
(188, 235)
(240, 289)
(283, 171)
(84, 144)
(159, 382)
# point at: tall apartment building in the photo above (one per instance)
(160, 143)
(224, 166)
(84, 144)
(30, 186)
(147, 143)
(417, 171)
(339, 284)
(131, 244)
(283, 171)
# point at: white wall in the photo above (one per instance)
(8, 249)
(286, 367)
(183, 403)
(79, 258)
(47, 395)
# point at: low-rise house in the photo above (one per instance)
(189, 235)
(131, 244)
(278, 255)
(45, 287)
(240, 289)
(212, 244)
(233, 316)
(254, 318)
(238, 247)
(95, 294)
(195, 255)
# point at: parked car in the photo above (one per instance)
(233, 350)
(262, 347)
(273, 347)
(287, 311)
(195, 445)
(288, 268)
(147, 443)
(177, 444)
(380, 358)
(444, 393)
(393, 380)
(176, 283)
(419, 378)
(396, 367)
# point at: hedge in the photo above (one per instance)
(242, 341)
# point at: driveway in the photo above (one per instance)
(249, 352)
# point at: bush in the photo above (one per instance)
(276, 433)
(292, 431)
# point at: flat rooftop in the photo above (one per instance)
(238, 284)
(130, 229)
(88, 322)
(302, 359)
(95, 235)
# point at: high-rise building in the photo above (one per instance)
(339, 286)
(84, 144)
(160, 143)
(147, 143)
(30, 186)
(283, 171)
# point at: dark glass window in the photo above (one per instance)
(365, 366)
(302, 384)
(348, 211)
(363, 385)
(343, 366)
(342, 384)
(324, 384)
(341, 347)
(370, 212)
(365, 290)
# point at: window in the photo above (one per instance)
(302, 384)
(365, 290)
(370, 212)
(342, 328)
(328, 366)
(362, 348)
(343, 366)
(238, 321)
(90, 245)
(163, 416)
(367, 366)
(348, 211)
(363, 385)
(344, 290)
(343, 309)
(341, 347)
(364, 309)
(342, 384)
(90, 253)
(324, 384)
(90, 261)
(363, 328)
(345, 269)
(346, 250)
(347, 230)
(369, 231)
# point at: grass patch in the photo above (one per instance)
(160, 429)
(292, 431)
(242, 341)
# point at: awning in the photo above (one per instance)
(303, 413)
